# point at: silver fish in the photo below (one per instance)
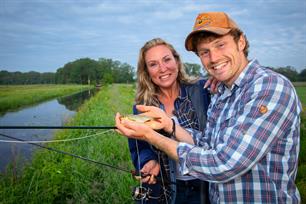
(139, 118)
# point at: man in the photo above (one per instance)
(249, 150)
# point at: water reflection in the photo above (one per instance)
(73, 102)
(51, 113)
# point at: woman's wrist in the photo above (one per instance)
(168, 128)
(171, 127)
(172, 134)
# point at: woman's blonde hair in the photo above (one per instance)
(147, 91)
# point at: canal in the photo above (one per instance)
(55, 112)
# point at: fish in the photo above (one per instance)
(139, 118)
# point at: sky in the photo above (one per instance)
(44, 35)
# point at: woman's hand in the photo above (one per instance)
(163, 121)
(151, 168)
(213, 83)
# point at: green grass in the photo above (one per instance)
(56, 178)
(301, 91)
(17, 96)
(301, 176)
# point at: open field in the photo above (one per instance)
(301, 91)
(16, 96)
(301, 177)
(56, 178)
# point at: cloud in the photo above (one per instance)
(61, 30)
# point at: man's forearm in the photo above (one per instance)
(182, 135)
(168, 145)
(164, 144)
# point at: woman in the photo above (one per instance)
(162, 82)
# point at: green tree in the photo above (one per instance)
(124, 73)
(302, 75)
(104, 72)
(107, 78)
(26, 78)
(80, 71)
(193, 69)
(288, 72)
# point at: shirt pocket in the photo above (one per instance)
(229, 118)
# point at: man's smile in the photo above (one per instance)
(219, 65)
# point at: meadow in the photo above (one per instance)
(16, 96)
(301, 91)
(57, 178)
(301, 176)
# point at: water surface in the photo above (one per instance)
(51, 113)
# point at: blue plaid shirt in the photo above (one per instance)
(249, 151)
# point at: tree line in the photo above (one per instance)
(291, 73)
(288, 71)
(107, 71)
(81, 71)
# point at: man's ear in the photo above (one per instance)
(241, 43)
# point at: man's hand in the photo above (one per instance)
(132, 129)
(163, 121)
(213, 83)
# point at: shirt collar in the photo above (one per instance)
(183, 92)
(182, 95)
(241, 79)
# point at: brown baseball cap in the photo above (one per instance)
(215, 22)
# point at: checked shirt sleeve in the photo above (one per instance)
(196, 135)
(262, 113)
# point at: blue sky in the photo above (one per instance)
(44, 35)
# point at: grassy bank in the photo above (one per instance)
(14, 97)
(301, 91)
(56, 178)
(301, 176)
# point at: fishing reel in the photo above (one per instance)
(141, 193)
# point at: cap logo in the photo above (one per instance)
(202, 21)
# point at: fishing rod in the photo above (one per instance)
(67, 153)
(139, 192)
(135, 173)
(57, 127)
